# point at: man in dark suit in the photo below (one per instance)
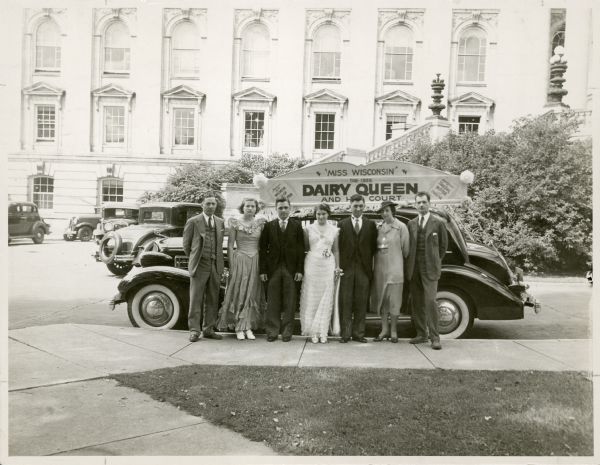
(281, 262)
(203, 244)
(358, 243)
(428, 244)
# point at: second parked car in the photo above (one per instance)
(118, 249)
(116, 215)
(81, 227)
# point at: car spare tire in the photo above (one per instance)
(109, 247)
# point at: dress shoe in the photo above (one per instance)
(250, 335)
(240, 335)
(419, 340)
(435, 345)
(344, 340)
(194, 337)
(360, 339)
(212, 335)
(271, 338)
(323, 339)
(314, 339)
(286, 338)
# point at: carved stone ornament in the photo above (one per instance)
(403, 15)
(329, 15)
(490, 17)
(256, 14)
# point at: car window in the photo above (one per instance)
(153, 216)
(26, 208)
(191, 212)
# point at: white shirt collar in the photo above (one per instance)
(206, 217)
(426, 218)
(359, 220)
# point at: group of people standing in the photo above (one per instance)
(343, 270)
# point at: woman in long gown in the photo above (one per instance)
(388, 279)
(244, 305)
(321, 271)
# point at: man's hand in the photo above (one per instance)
(263, 278)
(298, 277)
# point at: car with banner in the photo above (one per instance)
(81, 227)
(116, 215)
(24, 221)
(476, 282)
(118, 249)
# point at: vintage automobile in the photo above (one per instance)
(115, 215)
(24, 221)
(476, 282)
(118, 249)
(81, 227)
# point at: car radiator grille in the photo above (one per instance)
(181, 261)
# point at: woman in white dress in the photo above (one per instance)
(321, 272)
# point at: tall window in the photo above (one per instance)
(327, 53)
(324, 131)
(43, 191)
(390, 121)
(184, 126)
(47, 47)
(398, 54)
(255, 52)
(111, 190)
(186, 50)
(116, 48)
(114, 125)
(254, 128)
(471, 55)
(468, 124)
(558, 18)
(45, 117)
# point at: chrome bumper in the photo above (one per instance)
(530, 301)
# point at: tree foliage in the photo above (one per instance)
(532, 194)
(191, 183)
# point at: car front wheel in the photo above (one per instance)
(154, 306)
(38, 235)
(455, 314)
(85, 234)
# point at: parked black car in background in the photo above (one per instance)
(476, 282)
(116, 215)
(118, 249)
(81, 227)
(24, 221)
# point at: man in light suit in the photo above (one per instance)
(428, 244)
(203, 244)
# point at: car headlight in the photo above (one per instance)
(108, 226)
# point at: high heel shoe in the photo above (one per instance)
(314, 339)
(323, 339)
(240, 335)
(250, 335)
(394, 339)
(380, 338)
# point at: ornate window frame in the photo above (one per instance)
(472, 104)
(41, 93)
(257, 100)
(396, 102)
(106, 96)
(181, 96)
(324, 101)
(33, 22)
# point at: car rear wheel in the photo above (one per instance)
(38, 235)
(85, 233)
(455, 315)
(154, 306)
(119, 269)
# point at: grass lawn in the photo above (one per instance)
(336, 411)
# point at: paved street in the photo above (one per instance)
(59, 282)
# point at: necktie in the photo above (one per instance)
(210, 224)
(421, 221)
(356, 226)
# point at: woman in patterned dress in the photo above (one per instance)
(388, 273)
(321, 271)
(244, 305)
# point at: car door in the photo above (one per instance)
(29, 216)
(13, 220)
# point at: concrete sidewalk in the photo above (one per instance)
(57, 385)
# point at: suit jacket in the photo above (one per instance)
(366, 241)
(194, 234)
(273, 242)
(436, 243)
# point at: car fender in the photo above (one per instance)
(85, 223)
(179, 278)
(491, 299)
(40, 224)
